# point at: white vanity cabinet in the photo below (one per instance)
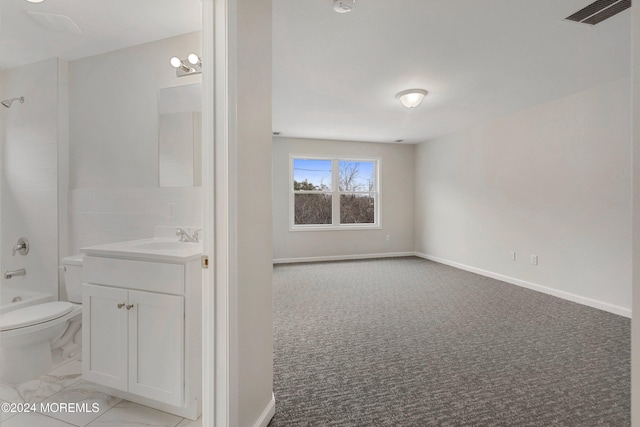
(141, 331)
(135, 342)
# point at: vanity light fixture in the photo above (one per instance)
(187, 67)
(411, 98)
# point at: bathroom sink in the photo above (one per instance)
(162, 245)
(156, 249)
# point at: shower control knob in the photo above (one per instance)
(22, 247)
(120, 305)
(129, 306)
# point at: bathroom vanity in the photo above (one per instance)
(141, 320)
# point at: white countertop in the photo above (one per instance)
(156, 249)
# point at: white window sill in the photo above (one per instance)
(335, 227)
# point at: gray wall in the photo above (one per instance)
(396, 192)
(250, 184)
(553, 180)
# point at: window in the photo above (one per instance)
(331, 193)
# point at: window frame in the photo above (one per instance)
(335, 194)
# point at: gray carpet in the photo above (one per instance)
(409, 342)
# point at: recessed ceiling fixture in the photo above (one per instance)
(411, 98)
(187, 67)
(35, 1)
(343, 6)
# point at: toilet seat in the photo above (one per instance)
(34, 314)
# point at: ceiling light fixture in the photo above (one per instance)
(35, 1)
(411, 98)
(343, 6)
(187, 67)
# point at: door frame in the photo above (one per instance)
(216, 298)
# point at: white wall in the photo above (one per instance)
(29, 175)
(396, 192)
(113, 172)
(635, 326)
(248, 240)
(553, 180)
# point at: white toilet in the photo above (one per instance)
(30, 336)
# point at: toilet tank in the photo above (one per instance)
(73, 277)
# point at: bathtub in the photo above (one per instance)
(22, 298)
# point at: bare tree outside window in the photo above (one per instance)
(311, 208)
(357, 200)
(314, 195)
(312, 191)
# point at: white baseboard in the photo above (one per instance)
(533, 286)
(341, 257)
(267, 414)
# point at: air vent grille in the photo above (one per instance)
(599, 10)
(608, 12)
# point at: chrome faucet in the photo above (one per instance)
(186, 237)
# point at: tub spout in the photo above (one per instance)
(11, 273)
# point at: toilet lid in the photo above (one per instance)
(34, 314)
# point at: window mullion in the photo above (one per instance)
(335, 197)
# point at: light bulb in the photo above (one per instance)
(193, 59)
(176, 62)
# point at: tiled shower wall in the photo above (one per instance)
(29, 175)
(111, 215)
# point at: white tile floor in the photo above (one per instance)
(65, 385)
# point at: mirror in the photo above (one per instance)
(180, 136)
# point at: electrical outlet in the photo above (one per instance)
(512, 255)
(172, 210)
(534, 259)
(388, 238)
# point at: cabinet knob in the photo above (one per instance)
(129, 306)
(120, 305)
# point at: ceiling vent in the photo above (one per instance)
(599, 10)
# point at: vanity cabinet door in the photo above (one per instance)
(156, 346)
(104, 336)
